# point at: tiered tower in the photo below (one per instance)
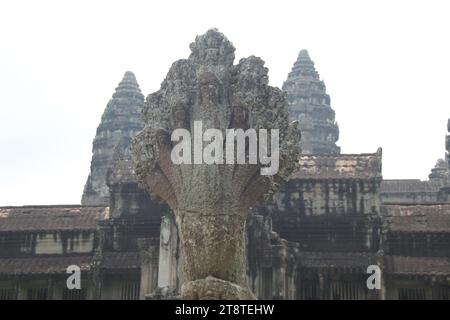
(447, 143)
(120, 122)
(310, 105)
(440, 172)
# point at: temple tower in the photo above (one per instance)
(120, 122)
(440, 172)
(447, 144)
(310, 105)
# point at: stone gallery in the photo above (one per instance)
(148, 228)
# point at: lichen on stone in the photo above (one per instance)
(211, 201)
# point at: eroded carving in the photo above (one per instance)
(211, 202)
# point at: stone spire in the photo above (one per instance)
(120, 122)
(440, 172)
(447, 144)
(310, 105)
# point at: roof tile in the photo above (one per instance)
(50, 218)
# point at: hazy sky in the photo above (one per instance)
(386, 65)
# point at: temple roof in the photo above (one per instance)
(417, 265)
(51, 218)
(343, 166)
(409, 185)
(341, 260)
(397, 265)
(43, 265)
(59, 264)
(417, 218)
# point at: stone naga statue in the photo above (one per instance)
(211, 201)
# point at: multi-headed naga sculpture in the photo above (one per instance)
(211, 201)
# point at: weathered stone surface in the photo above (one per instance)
(350, 166)
(212, 288)
(119, 124)
(331, 202)
(440, 172)
(310, 105)
(447, 144)
(126, 198)
(413, 191)
(211, 201)
(418, 218)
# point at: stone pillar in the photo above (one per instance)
(97, 276)
(280, 266)
(149, 249)
(324, 288)
(291, 276)
(381, 263)
(18, 288)
(50, 291)
(219, 252)
(447, 144)
(168, 251)
(257, 288)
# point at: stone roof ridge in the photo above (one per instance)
(36, 219)
(417, 218)
(398, 180)
(341, 155)
(342, 166)
(415, 204)
(410, 185)
(39, 206)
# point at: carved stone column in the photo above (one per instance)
(211, 199)
(380, 259)
(447, 144)
(149, 265)
(168, 255)
(280, 268)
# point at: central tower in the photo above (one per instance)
(310, 105)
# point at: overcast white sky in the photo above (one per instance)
(386, 65)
